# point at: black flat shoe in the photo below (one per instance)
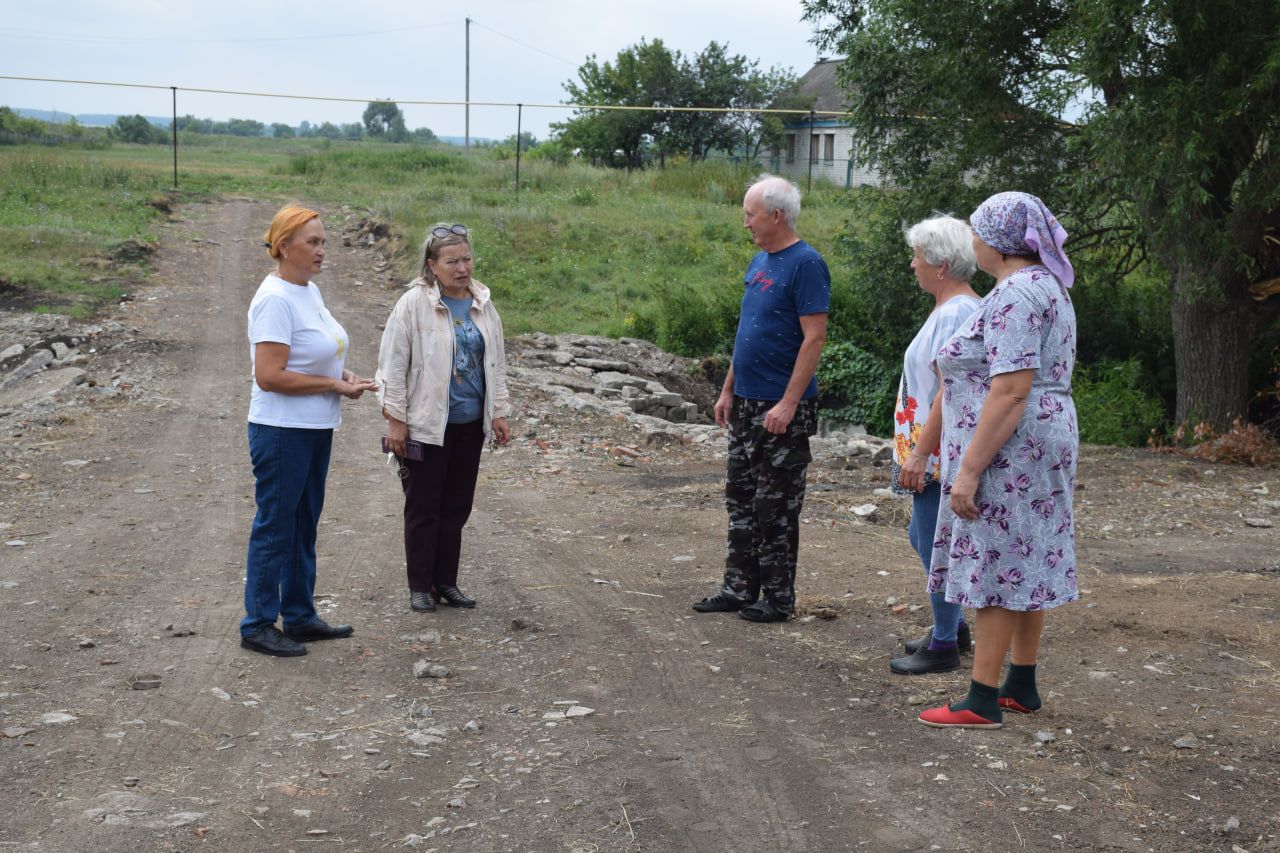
(763, 611)
(318, 630)
(268, 640)
(721, 602)
(964, 641)
(421, 601)
(453, 597)
(927, 660)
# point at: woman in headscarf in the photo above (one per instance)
(1005, 541)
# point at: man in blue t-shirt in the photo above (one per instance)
(769, 405)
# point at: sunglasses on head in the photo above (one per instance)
(443, 231)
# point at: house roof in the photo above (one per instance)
(820, 81)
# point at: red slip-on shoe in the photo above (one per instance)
(1007, 704)
(945, 718)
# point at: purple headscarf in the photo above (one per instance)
(1019, 224)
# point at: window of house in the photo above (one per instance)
(829, 147)
(814, 139)
(791, 147)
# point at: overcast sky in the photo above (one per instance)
(522, 51)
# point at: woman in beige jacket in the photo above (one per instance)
(443, 388)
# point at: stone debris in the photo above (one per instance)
(1045, 737)
(129, 808)
(57, 718)
(1187, 742)
(423, 669)
(1258, 522)
(570, 713)
(866, 512)
(220, 693)
(430, 638)
(15, 731)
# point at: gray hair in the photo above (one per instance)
(943, 239)
(431, 246)
(779, 194)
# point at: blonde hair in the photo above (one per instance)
(430, 250)
(285, 224)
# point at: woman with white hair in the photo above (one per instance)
(943, 262)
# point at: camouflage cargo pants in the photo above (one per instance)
(763, 492)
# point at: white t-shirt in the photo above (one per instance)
(919, 382)
(294, 315)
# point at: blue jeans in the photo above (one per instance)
(289, 469)
(924, 521)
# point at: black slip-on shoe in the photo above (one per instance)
(268, 640)
(453, 597)
(422, 601)
(927, 660)
(318, 630)
(763, 611)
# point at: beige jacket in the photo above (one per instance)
(415, 361)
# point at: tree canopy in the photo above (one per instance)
(649, 74)
(1148, 126)
(383, 120)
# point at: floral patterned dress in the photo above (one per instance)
(1019, 553)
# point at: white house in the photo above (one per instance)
(820, 147)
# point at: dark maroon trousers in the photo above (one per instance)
(438, 493)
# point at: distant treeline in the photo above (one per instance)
(382, 120)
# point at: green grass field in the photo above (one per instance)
(577, 249)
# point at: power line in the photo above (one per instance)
(337, 99)
(524, 45)
(35, 34)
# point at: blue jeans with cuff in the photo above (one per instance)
(289, 470)
(924, 522)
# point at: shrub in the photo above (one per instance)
(686, 322)
(1114, 404)
(1242, 444)
(855, 387)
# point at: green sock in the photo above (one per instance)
(981, 701)
(1020, 686)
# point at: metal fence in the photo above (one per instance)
(817, 145)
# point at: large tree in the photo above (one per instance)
(384, 120)
(651, 75)
(1150, 126)
(643, 75)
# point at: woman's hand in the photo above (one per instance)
(964, 493)
(397, 434)
(352, 386)
(501, 432)
(911, 474)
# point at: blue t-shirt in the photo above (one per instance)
(781, 287)
(466, 385)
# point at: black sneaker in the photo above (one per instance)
(721, 602)
(964, 641)
(927, 660)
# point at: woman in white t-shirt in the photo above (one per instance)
(296, 351)
(943, 262)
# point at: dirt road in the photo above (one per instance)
(705, 732)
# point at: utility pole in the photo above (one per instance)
(466, 145)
